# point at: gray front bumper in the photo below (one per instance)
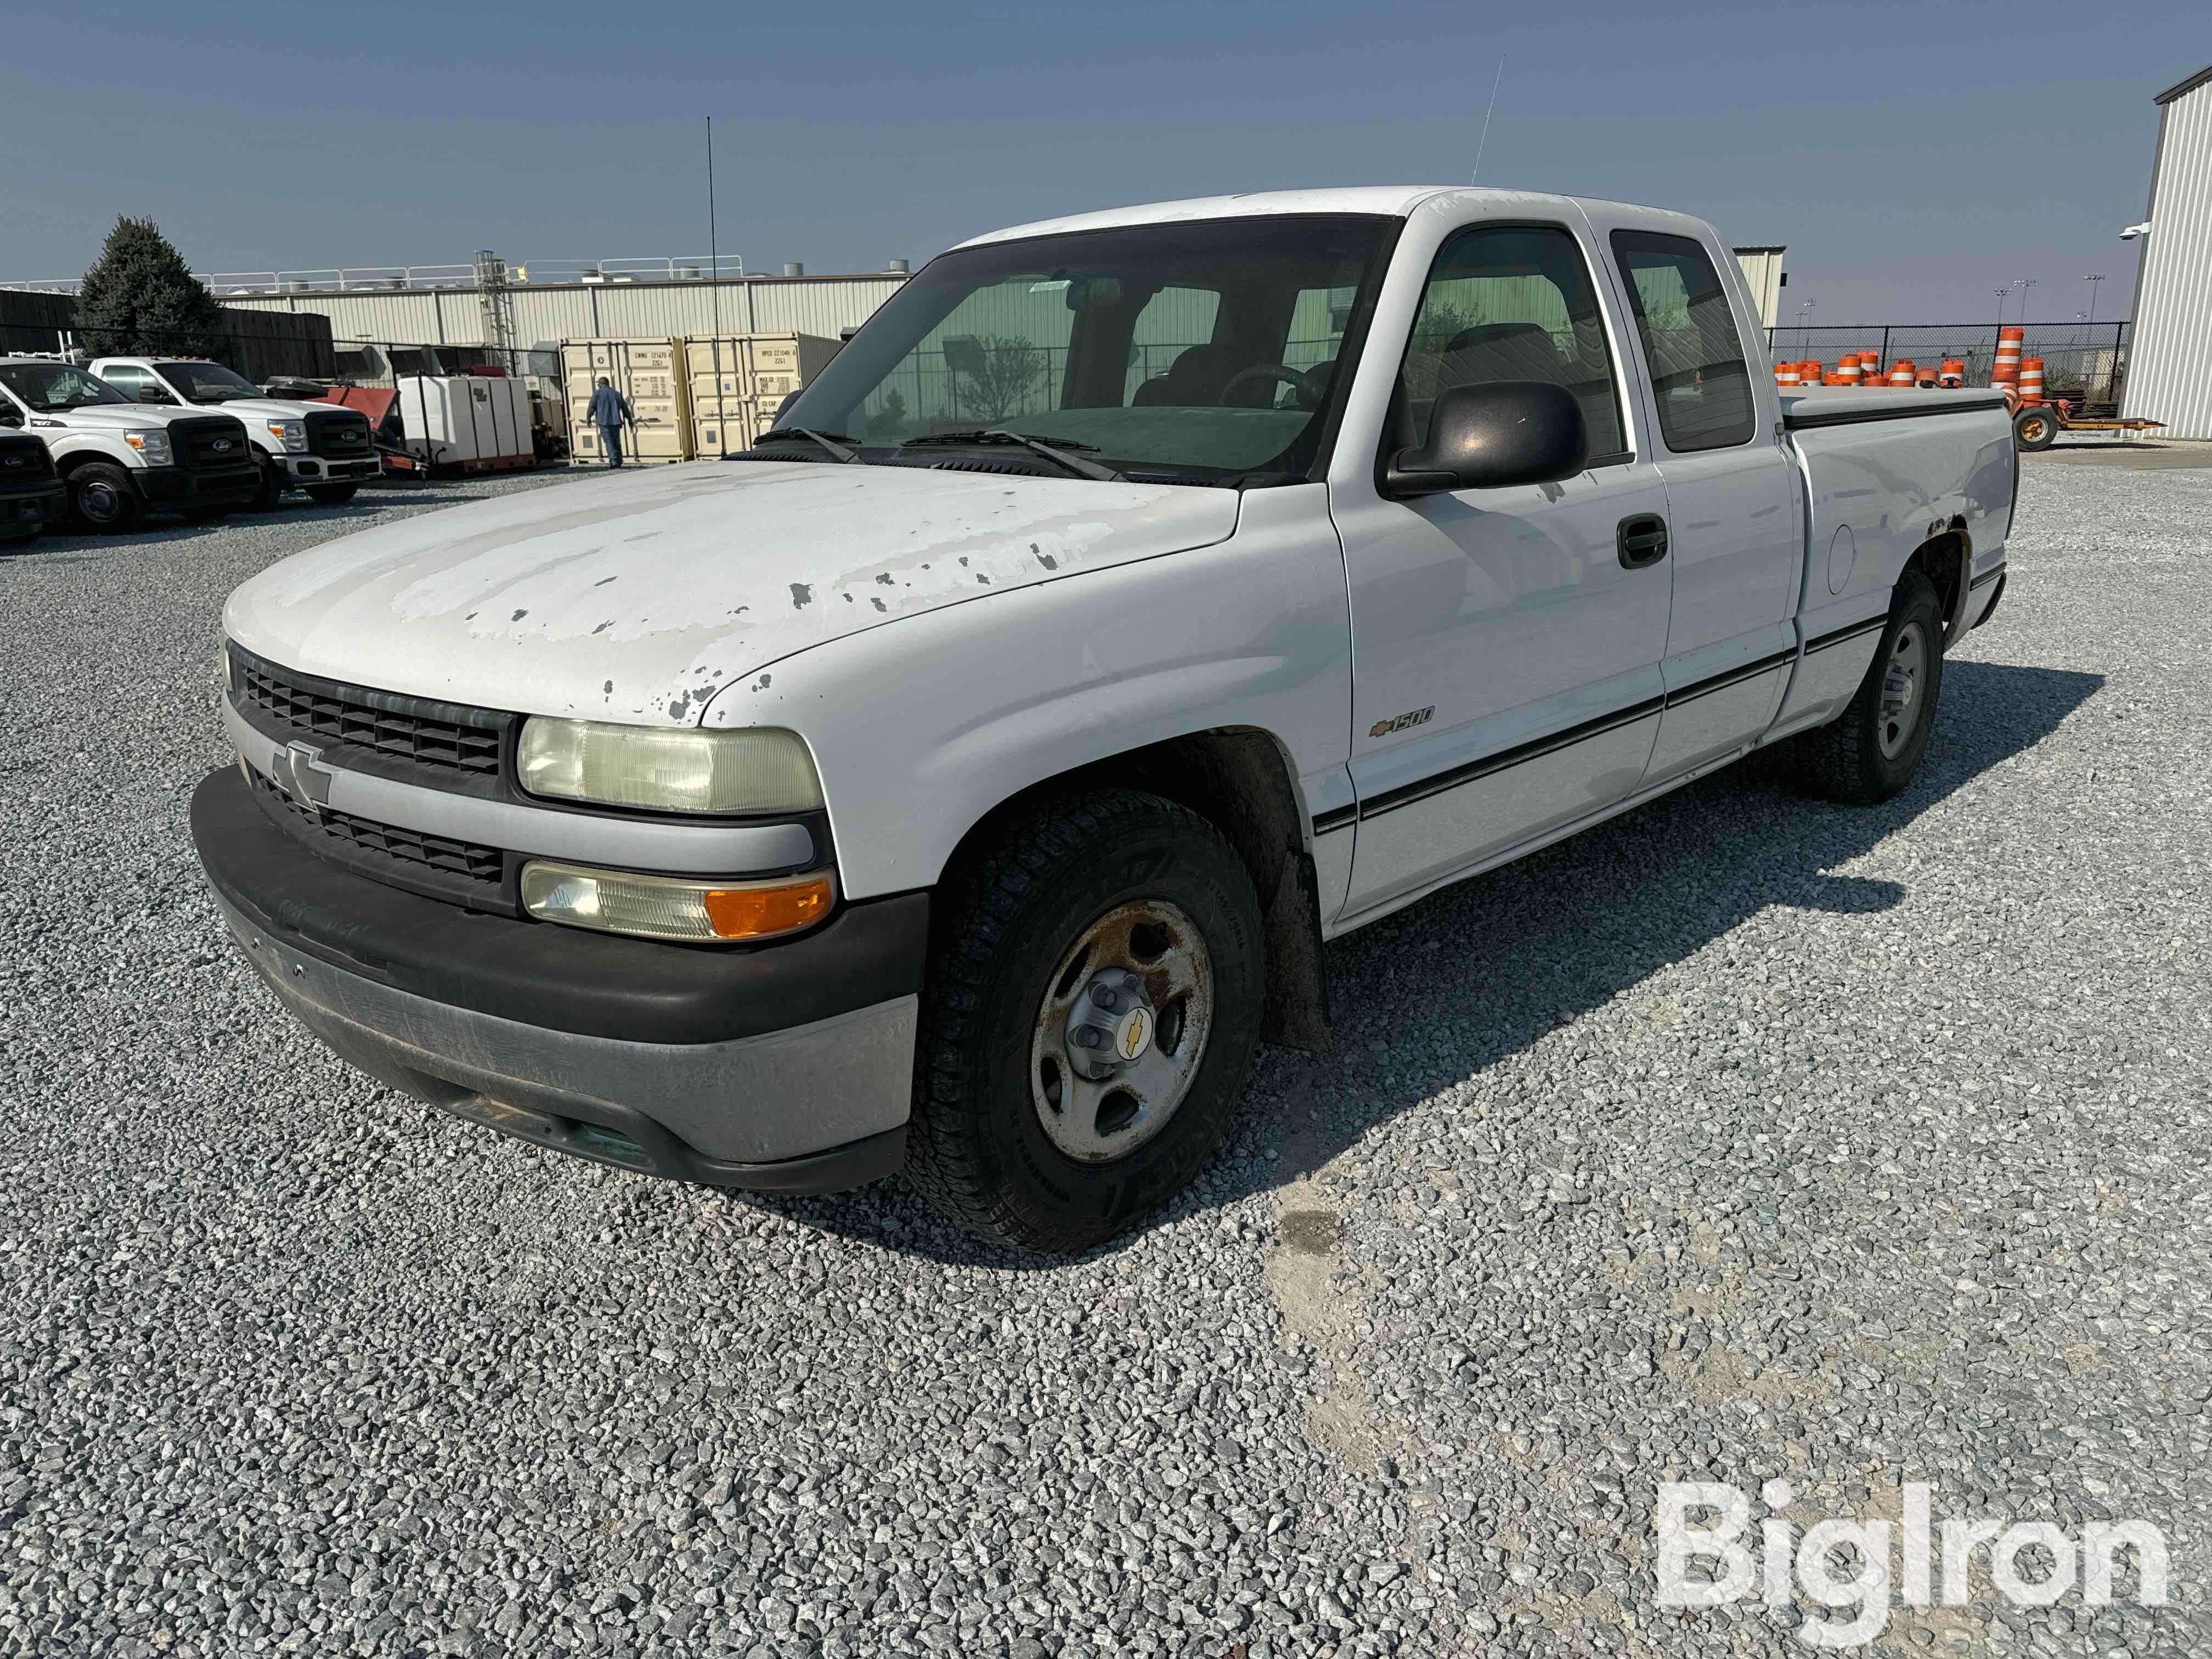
(811, 1109)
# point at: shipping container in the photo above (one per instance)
(727, 433)
(802, 356)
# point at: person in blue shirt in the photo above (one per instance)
(610, 412)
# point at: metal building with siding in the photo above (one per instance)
(2170, 360)
(584, 311)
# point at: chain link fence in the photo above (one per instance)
(2084, 362)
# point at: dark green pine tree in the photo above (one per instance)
(141, 299)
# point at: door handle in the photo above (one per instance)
(1641, 540)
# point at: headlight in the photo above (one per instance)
(293, 435)
(153, 445)
(684, 770)
(664, 906)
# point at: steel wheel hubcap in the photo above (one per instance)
(1121, 1030)
(1901, 687)
(100, 501)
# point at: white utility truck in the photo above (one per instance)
(322, 449)
(121, 460)
(966, 776)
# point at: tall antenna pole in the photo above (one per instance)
(714, 267)
(1486, 114)
(714, 245)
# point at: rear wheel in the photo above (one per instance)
(331, 494)
(1874, 749)
(101, 495)
(2035, 427)
(1092, 1017)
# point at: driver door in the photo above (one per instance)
(1506, 643)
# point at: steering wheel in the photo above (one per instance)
(1309, 394)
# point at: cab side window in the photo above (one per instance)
(1690, 340)
(1512, 302)
(128, 379)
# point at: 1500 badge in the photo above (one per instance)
(1403, 723)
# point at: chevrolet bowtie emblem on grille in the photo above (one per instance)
(297, 770)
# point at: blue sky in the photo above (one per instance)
(1912, 157)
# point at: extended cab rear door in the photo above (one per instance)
(1734, 503)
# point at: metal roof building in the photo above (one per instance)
(2170, 363)
(546, 312)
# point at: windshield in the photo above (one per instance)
(207, 383)
(1212, 351)
(51, 387)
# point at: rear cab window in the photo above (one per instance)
(1688, 331)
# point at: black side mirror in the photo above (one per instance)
(154, 394)
(1486, 437)
(11, 416)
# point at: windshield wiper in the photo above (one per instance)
(1053, 449)
(834, 442)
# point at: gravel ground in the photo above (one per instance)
(1744, 1137)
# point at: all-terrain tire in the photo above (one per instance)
(1012, 912)
(1859, 757)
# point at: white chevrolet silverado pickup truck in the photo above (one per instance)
(119, 461)
(966, 777)
(324, 450)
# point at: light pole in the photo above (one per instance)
(1805, 325)
(2026, 283)
(2092, 279)
(2001, 293)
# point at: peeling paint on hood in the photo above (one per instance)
(636, 596)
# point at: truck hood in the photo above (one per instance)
(636, 596)
(127, 417)
(255, 411)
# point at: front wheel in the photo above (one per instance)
(102, 495)
(1874, 747)
(1091, 1022)
(331, 494)
(268, 487)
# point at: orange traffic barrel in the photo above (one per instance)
(1924, 378)
(1847, 369)
(2007, 369)
(2031, 379)
(1785, 375)
(1900, 372)
(1953, 372)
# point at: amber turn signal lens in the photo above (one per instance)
(758, 912)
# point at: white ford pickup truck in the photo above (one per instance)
(119, 461)
(966, 777)
(326, 451)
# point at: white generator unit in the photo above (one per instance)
(468, 422)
